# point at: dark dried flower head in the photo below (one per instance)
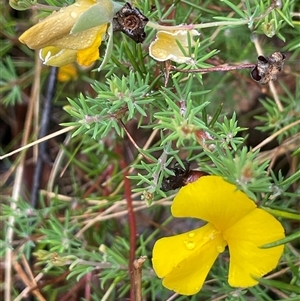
(182, 176)
(132, 22)
(268, 67)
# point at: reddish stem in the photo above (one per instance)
(132, 224)
(215, 69)
(79, 285)
(88, 288)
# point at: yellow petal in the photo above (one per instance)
(53, 56)
(67, 73)
(81, 40)
(164, 47)
(214, 200)
(55, 26)
(244, 239)
(89, 55)
(184, 260)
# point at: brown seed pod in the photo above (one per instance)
(132, 22)
(268, 67)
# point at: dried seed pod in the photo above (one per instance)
(132, 22)
(268, 67)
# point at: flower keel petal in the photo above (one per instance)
(56, 57)
(67, 73)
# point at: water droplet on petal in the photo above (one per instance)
(220, 248)
(191, 234)
(73, 15)
(211, 236)
(190, 245)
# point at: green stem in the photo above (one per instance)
(196, 26)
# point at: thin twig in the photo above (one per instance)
(196, 26)
(108, 291)
(57, 133)
(217, 31)
(72, 292)
(27, 281)
(105, 216)
(57, 163)
(286, 146)
(28, 289)
(133, 142)
(220, 297)
(137, 272)
(18, 181)
(215, 69)
(139, 157)
(173, 297)
(157, 26)
(273, 136)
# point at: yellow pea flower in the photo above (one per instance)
(184, 260)
(165, 47)
(62, 41)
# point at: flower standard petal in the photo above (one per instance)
(81, 40)
(184, 260)
(214, 200)
(247, 259)
(55, 26)
(164, 47)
